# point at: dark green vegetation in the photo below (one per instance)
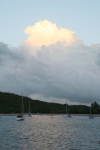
(11, 103)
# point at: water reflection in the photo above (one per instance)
(45, 132)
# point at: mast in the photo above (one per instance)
(29, 105)
(90, 109)
(22, 102)
(66, 107)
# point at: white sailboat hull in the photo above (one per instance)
(19, 119)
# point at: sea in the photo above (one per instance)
(46, 132)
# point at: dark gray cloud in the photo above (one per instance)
(56, 72)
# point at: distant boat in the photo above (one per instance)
(91, 116)
(21, 116)
(67, 115)
(29, 114)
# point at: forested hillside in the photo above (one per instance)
(11, 103)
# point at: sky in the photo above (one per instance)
(50, 50)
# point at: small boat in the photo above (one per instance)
(91, 116)
(69, 115)
(29, 114)
(21, 116)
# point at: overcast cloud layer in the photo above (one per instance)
(55, 72)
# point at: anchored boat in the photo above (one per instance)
(29, 114)
(21, 116)
(91, 116)
(67, 115)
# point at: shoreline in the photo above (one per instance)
(95, 115)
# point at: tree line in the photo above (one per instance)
(12, 103)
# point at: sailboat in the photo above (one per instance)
(29, 114)
(91, 116)
(69, 115)
(21, 116)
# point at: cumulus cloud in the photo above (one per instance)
(47, 33)
(55, 72)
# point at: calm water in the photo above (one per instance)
(41, 132)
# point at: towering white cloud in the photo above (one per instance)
(47, 33)
(58, 70)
